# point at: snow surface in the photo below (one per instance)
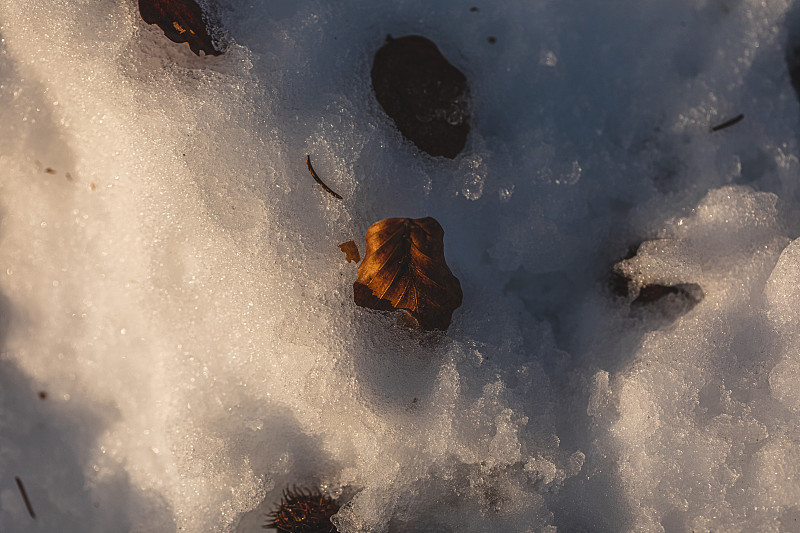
(170, 277)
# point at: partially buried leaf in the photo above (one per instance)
(669, 300)
(351, 252)
(183, 21)
(404, 268)
(692, 293)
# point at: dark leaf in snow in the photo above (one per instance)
(183, 21)
(426, 96)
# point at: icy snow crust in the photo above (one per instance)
(173, 283)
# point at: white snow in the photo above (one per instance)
(170, 277)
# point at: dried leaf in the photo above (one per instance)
(351, 252)
(182, 21)
(404, 268)
(426, 96)
(670, 300)
(690, 292)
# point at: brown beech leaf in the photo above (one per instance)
(351, 252)
(182, 21)
(404, 268)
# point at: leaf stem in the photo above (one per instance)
(316, 178)
(728, 123)
(25, 497)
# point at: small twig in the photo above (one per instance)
(25, 497)
(316, 178)
(728, 123)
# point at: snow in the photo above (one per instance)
(170, 277)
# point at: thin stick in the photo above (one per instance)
(25, 497)
(728, 123)
(316, 178)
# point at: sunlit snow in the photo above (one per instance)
(178, 338)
